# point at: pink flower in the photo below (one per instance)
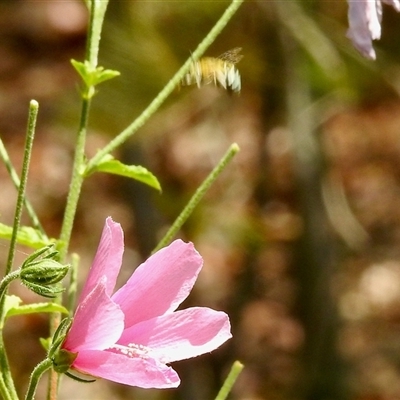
(365, 23)
(130, 336)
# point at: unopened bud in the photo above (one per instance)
(44, 272)
(37, 276)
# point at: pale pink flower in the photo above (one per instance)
(130, 336)
(365, 23)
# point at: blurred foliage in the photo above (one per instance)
(300, 235)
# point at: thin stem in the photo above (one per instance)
(73, 282)
(5, 395)
(97, 12)
(76, 182)
(7, 387)
(4, 365)
(39, 370)
(168, 89)
(16, 181)
(236, 369)
(33, 112)
(69, 216)
(3, 288)
(198, 195)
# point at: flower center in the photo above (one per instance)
(131, 350)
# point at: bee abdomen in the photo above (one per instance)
(210, 70)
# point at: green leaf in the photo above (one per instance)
(46, 291)
(38, 253)
(105, 75)
(45, 343)
(27, 236)
(34, 308)
(92, 76)
(112, 166)
(10, 302)
(82, 69)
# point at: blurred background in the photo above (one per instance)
(300, 235)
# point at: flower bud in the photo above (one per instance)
(44, 272)
(37, 276)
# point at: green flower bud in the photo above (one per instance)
(63, 360)
(45, 291)
(44, 272)
(39, 253)
(39, 275)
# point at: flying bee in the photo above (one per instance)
(221, 71)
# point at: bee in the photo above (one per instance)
(221, 71)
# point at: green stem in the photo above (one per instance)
(168, 89)
(236, 369)
(5, 395)
(69, 215)
(4, 365)
(33, 112)
(39, 370)
(3, 288)
(73, 283)
(97, 12)
(76, 182)
(7, 388)
(198, 195)
(15, 179)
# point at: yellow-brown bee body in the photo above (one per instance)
(220, 71)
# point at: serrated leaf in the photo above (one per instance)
(35, 308)
(137, 172)
(26, 236)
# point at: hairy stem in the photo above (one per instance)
(38, 371)
(198, 195)
(33, 112)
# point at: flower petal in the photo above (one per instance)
(98, 322)
(108, 259)
(133, 371)
(180, 335)
(160, 284)
(364, 25)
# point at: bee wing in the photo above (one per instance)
(220, 77)
(234, 81)
(232, 55)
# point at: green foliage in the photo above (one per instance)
(110, 165)
(34, 308)
(44, 272)
(92, 76)
(26, 236)
(13, 307)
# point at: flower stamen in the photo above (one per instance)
(131, 350)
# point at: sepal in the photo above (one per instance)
(63, 360)
(40, 274)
